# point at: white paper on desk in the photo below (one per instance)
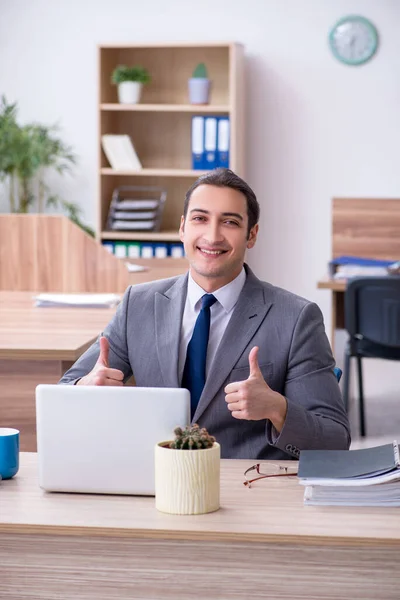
(346, 271)
(78, 300)
(132, 268)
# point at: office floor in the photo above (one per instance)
(382, 409)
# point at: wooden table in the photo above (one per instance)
(262, 543)
(37, 345)
(337, 288)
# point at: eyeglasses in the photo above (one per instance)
(269, 470)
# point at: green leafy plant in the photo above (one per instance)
(27, 154)
(200, 72)
(123, 73)
(192, 438)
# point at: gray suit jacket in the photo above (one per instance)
(294, 356)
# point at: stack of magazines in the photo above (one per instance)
(366, 477)
(136, 208)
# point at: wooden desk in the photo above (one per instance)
(157, 268)
(262, 543)
(337, 287)
(37, 345)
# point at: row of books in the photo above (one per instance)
(128, 249)
(210, 142)
(365, 477)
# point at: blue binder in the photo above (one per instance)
(210, 142)
(198, 159)
(223, 138)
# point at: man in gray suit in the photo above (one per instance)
(270, 390)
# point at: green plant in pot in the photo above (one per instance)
(187, 472)
(28, 154)
(130, 81)
(199, 85)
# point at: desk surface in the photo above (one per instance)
(40, 333)
(271, 510)
(336, 285)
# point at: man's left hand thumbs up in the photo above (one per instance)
(253, 399)
(255, 372)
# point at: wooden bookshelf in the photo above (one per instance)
(160, 126)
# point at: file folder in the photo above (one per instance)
(223, 138)
(198, 143)
(147, 250)
(210, 143)
(160, 250)
(176, 250)
(133, 250)
(109, 246)
(120, 249)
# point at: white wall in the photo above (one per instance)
(316, 128)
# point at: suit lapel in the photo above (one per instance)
(168, 311)
(249, 312)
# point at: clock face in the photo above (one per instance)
(353, 40)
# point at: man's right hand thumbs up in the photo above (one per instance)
(104, 350)
(101, 374)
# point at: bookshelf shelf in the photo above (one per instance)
(189, 108)
(160, 126)
(154, 172)
(161, 236)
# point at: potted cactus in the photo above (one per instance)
(130, 82)
(187, 472)
(199, 85)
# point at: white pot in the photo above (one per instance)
(187, 482)
(129, 92)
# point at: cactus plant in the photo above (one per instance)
(192, 438)
(200, 72)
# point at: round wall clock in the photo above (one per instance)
(353, 40)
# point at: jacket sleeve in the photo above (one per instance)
(316, 417)
(116, 334)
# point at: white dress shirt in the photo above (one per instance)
(221, 312)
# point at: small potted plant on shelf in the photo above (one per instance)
(187, 472)
(199, 85)
(130, 81)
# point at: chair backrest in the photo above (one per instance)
(338, 373)
(372, 309)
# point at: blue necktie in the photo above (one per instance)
(194, 373)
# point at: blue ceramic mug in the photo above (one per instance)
(9, 452)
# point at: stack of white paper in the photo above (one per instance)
(383, 490)
(79, 300)
(346, 271)
(132, 268)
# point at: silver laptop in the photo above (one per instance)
(94, 439)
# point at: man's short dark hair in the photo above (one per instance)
(226, 178)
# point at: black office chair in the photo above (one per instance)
(372, 319)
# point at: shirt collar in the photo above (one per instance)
(227, 295)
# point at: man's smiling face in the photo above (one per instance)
(214, 234)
